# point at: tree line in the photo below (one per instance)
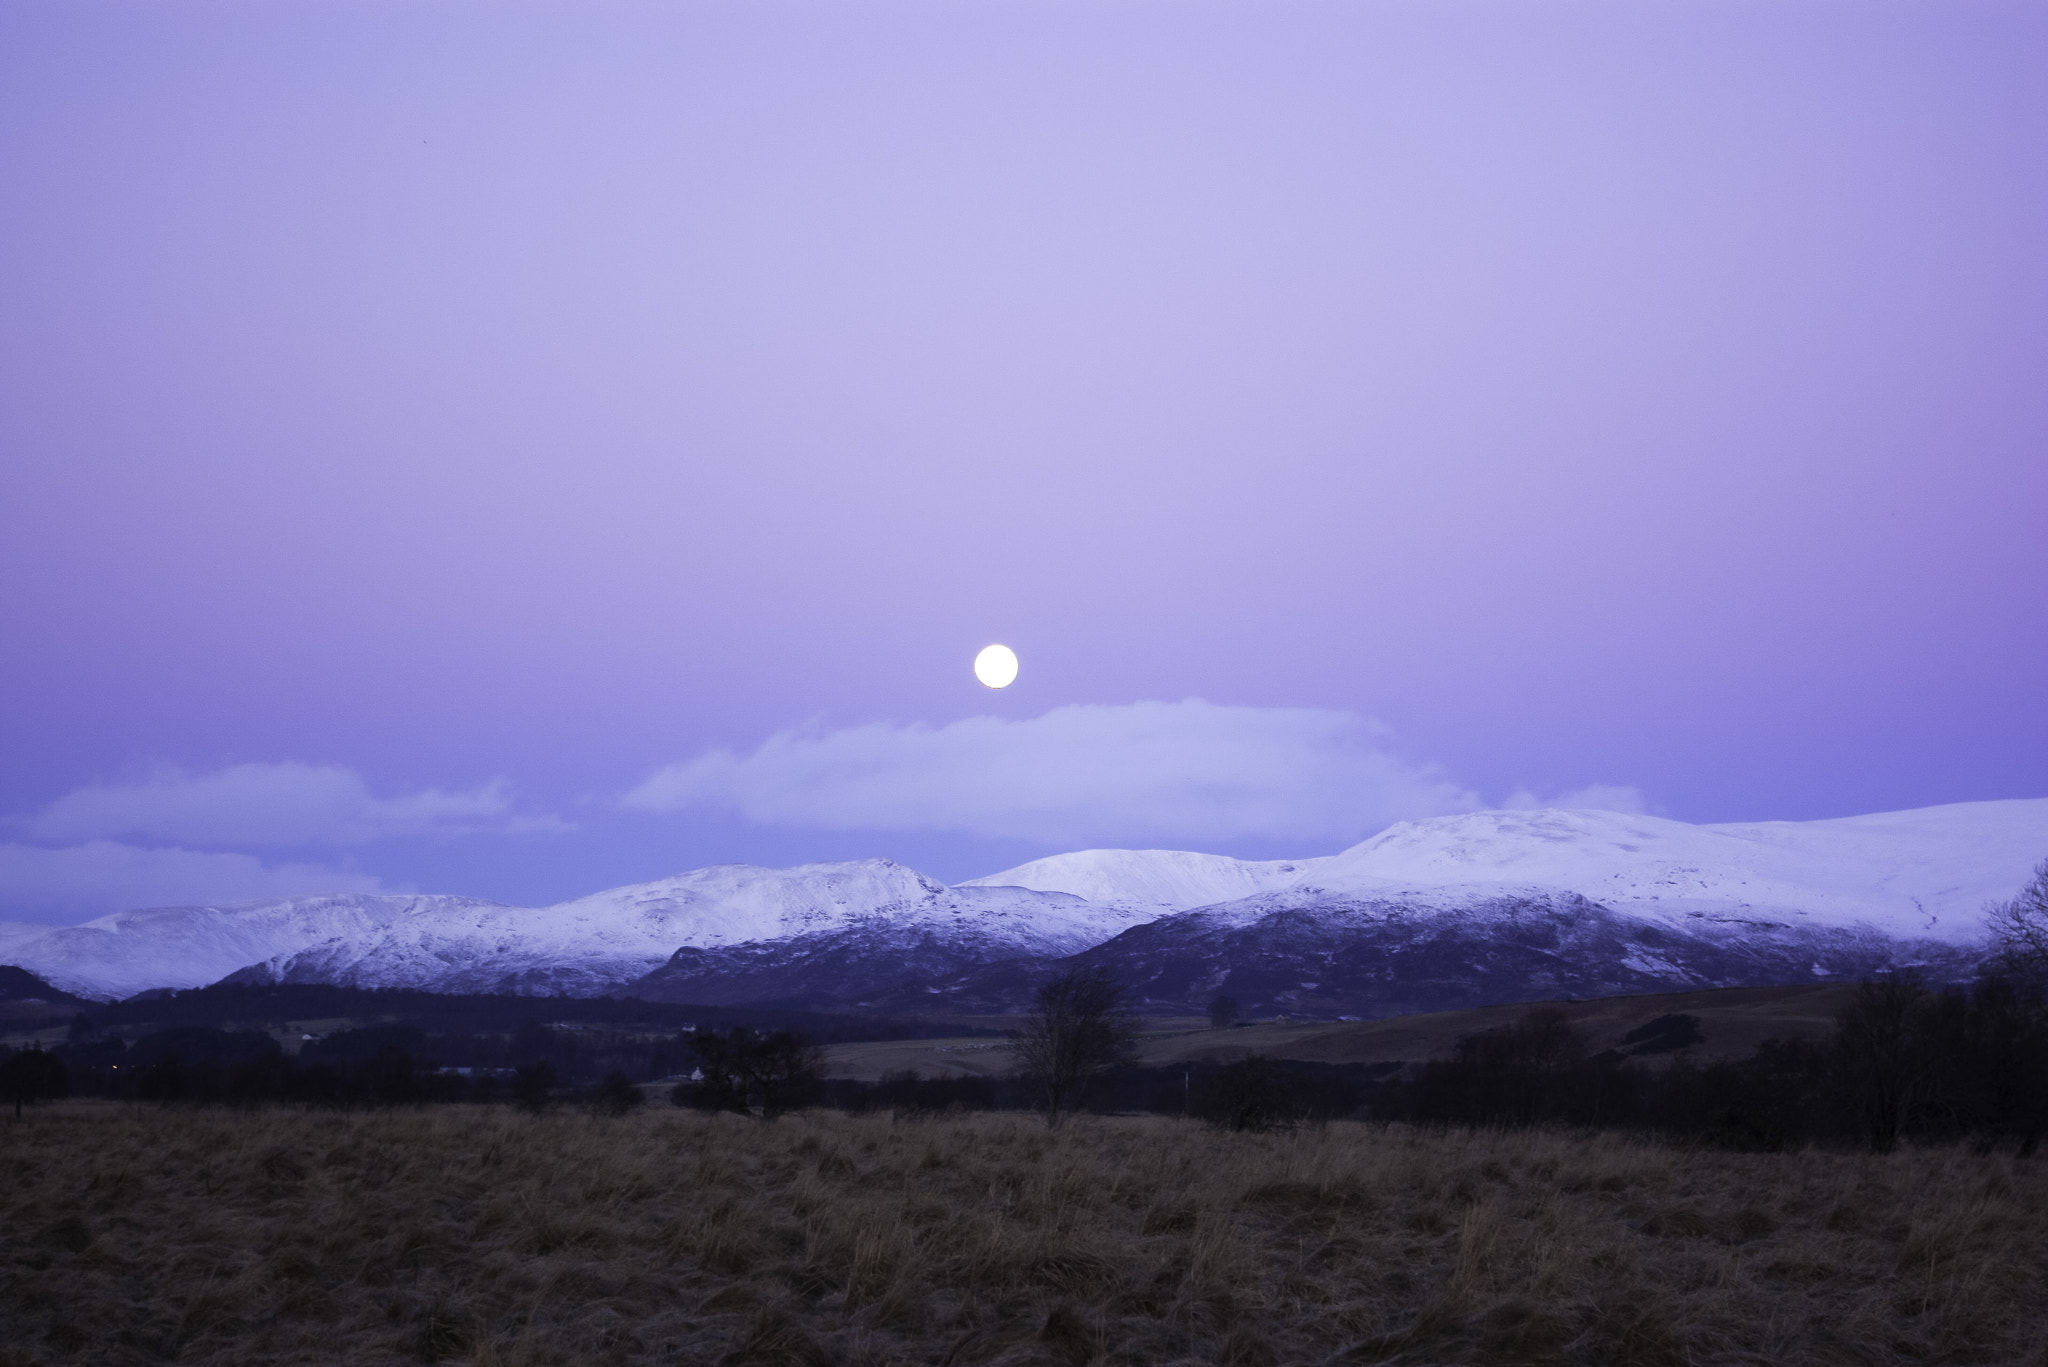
(380, 1065)
(1903, 1060)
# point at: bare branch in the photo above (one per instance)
(2019, 928)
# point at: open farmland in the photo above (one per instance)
(470, 1234)
(1733, 1022)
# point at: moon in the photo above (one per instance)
(996, 666)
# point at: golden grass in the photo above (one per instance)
(131, 1234)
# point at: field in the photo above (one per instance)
(1733, 1021)
(476, 1234)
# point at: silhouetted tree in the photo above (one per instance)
(1986, 1063)
(616, 1095)
(1878, 1040)
(1224, 1012)
(721, 1083)
(2019, 931)
(1533, 1069)
(740, 1070)
(1077, 1028)
(32, 1075)
(786, 1072)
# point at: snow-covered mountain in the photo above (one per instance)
(134, 951)
(1154, 881)
(837, 966)
(1548, 899)
(588, 946)
(1345, 956)
(14, 933)
(1924, 874)
(606, 941)
(1918, 874)
(1517, 905)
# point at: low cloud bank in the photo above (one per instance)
(273, 805)
(1149, 772)
(1187, 774)
(78, 882)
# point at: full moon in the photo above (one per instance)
(996, 666)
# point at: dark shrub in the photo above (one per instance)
(1250, 1094)
(742, 1070)
(616, 1095)
(533, 1086)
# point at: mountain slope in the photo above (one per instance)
(1157, 881)
(15, 933)
(589, 946)
(1926, 873)
(133, 951)
(612, 939)
(834, 968)
(1323, 955)
(1519, 905)
(1918, 874)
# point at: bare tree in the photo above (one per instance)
(779, 1071)
(1878, 1038)
(788, 1072)
(2019, 930)
(1077, 1029)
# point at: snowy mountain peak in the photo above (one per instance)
(593, 944)
(133, 951)
(730, 903)
(1164, 880)
(1926, 873)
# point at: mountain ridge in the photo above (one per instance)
(1886, 887)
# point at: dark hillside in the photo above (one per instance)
(20, 985)
(29, 1003)
(1346, 958)
(232, 1006)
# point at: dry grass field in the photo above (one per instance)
(469, 1234)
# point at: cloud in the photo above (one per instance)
(1138, 772)
(274, 805)
(101, 876)
(1598, 797)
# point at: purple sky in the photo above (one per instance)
(433, 433)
